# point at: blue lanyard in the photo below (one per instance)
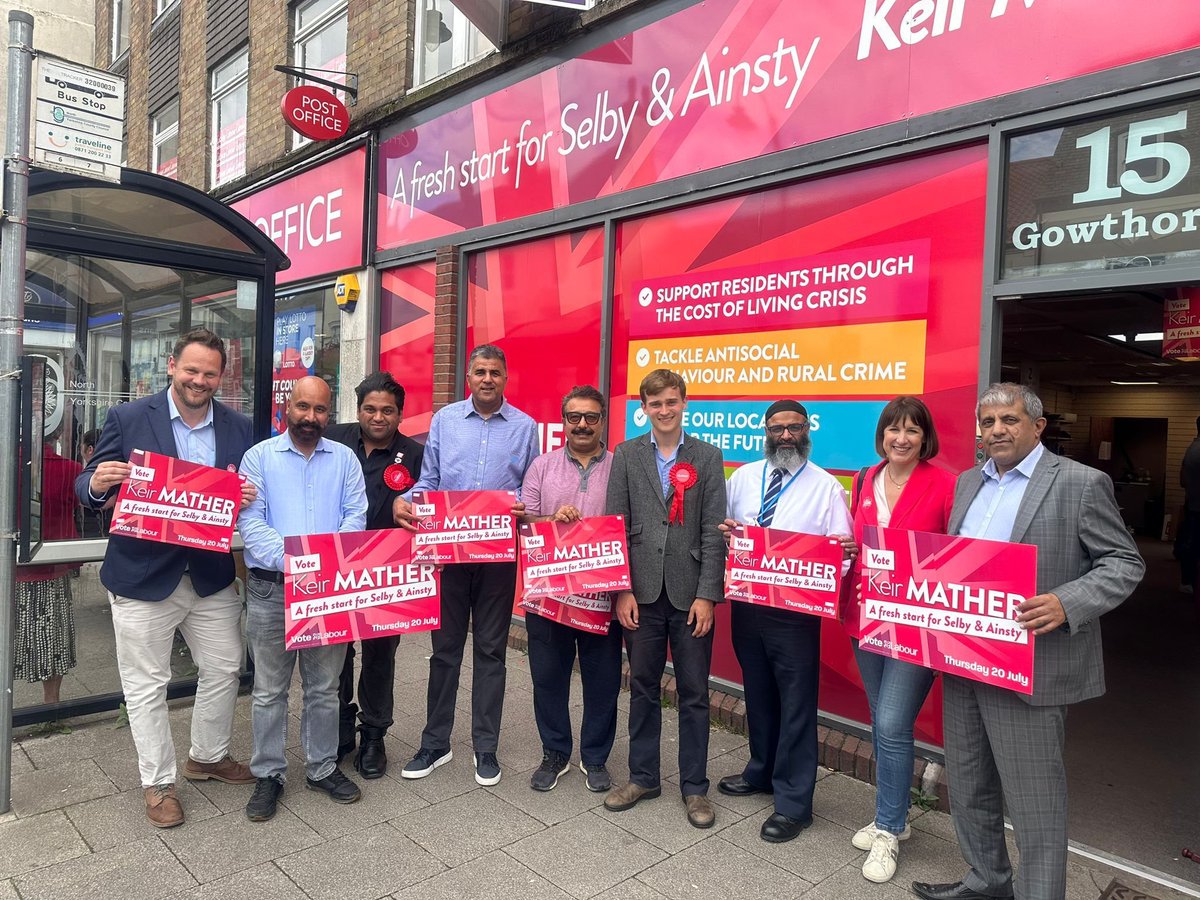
(762, 498)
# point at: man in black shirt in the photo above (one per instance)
(391, 465)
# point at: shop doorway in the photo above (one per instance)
(1114, 403)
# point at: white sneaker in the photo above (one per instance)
(881, 862)
(864, 838)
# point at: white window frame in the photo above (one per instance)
(219, 91)
(161, 6)
(462, 31)
(160, 137)
(120, 12)
(300, 37)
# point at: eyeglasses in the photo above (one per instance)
(576, 417)
(793, 429)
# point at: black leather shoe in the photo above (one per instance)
(955, 891)
(264, 800)
(737, 786)
(779, 829)
(372, 760)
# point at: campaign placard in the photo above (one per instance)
(464, 526)
(355, 586)
(784, 570)
(949, 603)
(587, 612)
(173, 501)
(587, 556)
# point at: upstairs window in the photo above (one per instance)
(320, 41)
(164, 140)
(230, 96)
(446, 40)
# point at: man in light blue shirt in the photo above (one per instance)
(481, 443)
(306, 485)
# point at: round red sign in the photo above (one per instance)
(315, 112)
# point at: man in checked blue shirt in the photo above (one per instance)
(483, 443)
(306, 485)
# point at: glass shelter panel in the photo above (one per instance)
(105, 329)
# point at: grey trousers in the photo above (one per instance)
(1002, 751)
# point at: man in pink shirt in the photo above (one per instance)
(571, 483)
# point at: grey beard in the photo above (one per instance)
(785, 456)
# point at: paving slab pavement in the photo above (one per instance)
(78, 827)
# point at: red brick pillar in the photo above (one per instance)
(445, 328)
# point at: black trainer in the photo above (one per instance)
(598, 779)
(339, 788)
(264, 800)
(425, 762)
(554, 765)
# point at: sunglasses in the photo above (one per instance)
(576, 417)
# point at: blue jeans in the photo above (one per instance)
(895, 692)
(320, 669)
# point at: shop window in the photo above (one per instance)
(447, 38)
(164, 139)
(319, 27)
(548, 327)
(1108, 193)
(406, 339)
(230, 93)
(120, 28)
(308, 334)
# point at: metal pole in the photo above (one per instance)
(12, 315)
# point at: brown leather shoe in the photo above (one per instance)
(227, 770)
(699, 811)
(162, 807)
(628, 795)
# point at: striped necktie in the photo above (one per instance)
(771, 500)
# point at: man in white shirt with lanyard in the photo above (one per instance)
(780, 650)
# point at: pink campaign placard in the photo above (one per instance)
(174, 501)
(355, 586)
(464, 526)
(587, 612)
(884, 282)
(588, 556)
(784, 570)
(949, 603)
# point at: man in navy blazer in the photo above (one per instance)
(155, 589)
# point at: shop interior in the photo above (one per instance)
(1113, 402)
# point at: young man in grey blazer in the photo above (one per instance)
(1003, 748)
(670, 487)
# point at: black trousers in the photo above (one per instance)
(552, 649)
(375, 681)
(780, 655)
(479, 595)
(660, 624)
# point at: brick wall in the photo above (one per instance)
(445, 327)
(379, 49)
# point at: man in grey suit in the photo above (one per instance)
(670, 487)
(1004, 748)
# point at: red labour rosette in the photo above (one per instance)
(683, 477)
(398, 478)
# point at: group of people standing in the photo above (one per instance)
(1002, 749)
